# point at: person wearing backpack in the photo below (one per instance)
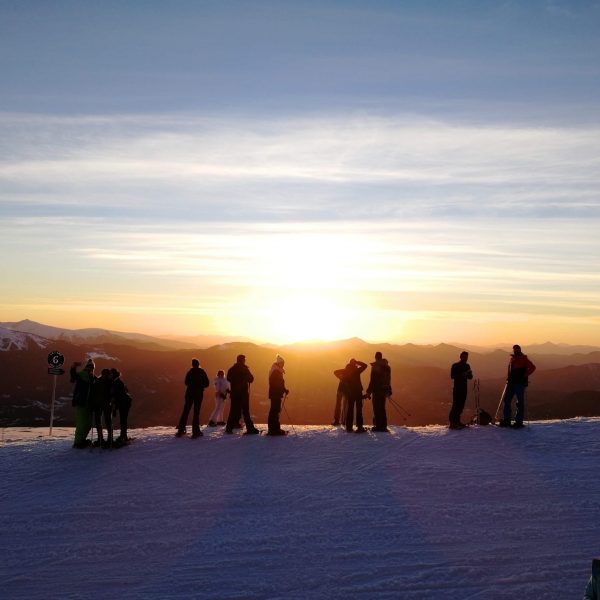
(378, 390)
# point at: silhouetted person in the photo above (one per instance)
(460, 373)
(222, 387)
(277, 391)
(196, 381)
(240, 378)
(592, 591)
(101, 406)
(84, 380)
(519, 370)
(379, 389)
(353, 390)
(121, 402)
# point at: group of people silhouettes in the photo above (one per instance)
(349, 397)
(99, 398)
(236, 385)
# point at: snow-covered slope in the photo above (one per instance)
(17, 340)
(418, 513)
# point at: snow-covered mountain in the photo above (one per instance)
(94, 335)
(415, 514)
(17, 340)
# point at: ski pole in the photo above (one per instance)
(398, 406)
(500, 402)
(398, 409)
(287, 414)
(477, 402)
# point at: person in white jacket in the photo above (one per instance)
(222, 388)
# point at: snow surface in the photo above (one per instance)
(417, 513)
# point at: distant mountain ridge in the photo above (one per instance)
(179, 342)
(563, 385)
(97, 336)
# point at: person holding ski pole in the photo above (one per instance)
(460, 373)
(519, 370)
(277, 391)
(240, 378)
(353, 388)
(379, 389)
(196, 380)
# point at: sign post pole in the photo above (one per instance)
(55, 360)
(52, 405)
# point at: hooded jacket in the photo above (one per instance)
(276, 382)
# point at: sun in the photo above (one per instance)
(300, 316)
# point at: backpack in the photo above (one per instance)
(483, 418)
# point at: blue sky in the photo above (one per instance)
(451, 150)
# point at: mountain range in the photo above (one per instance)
(565, 384)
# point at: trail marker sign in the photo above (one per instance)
(56, 359)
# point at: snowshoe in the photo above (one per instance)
(196, 434)
(361, 430)
(252, 431)
(278, 432)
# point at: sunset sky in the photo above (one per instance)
(418, 171)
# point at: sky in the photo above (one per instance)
(398, 171)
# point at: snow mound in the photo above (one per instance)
(417, 513)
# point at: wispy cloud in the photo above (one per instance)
(302, 166)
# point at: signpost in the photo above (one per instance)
(55, 360)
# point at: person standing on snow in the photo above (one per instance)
(353, 388)
(339, 412)
(277, 391)
(222, 388)
(84, 381)
(460, 373)
(121, 402)
(379, 389)
(240, 378)
(196, 380)
(519, 370)
(100, 401)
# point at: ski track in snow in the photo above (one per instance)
(421, 512)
